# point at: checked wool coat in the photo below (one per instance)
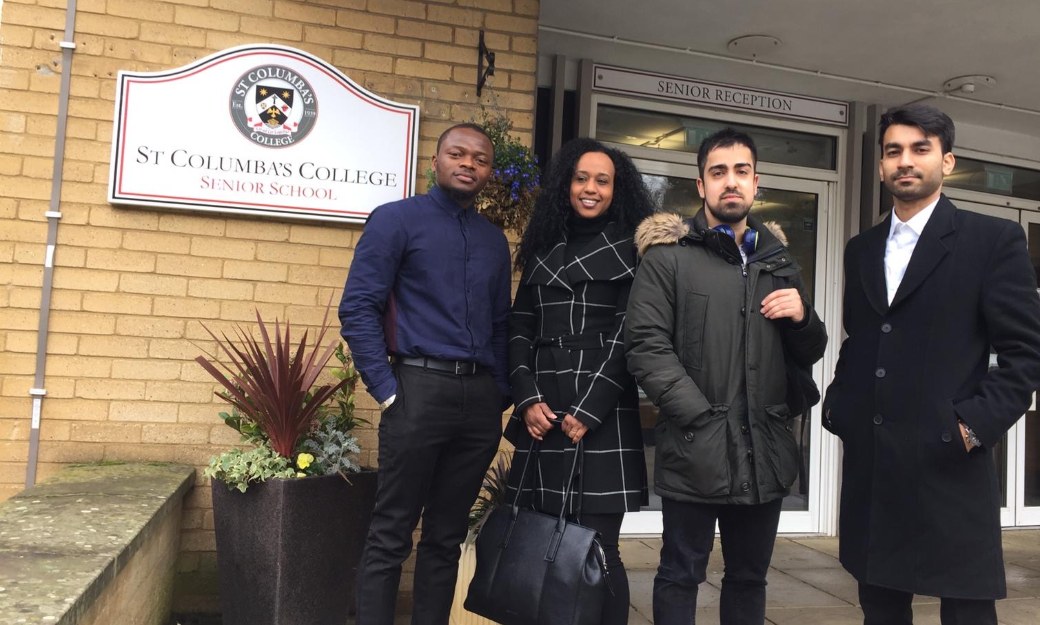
(584, 373)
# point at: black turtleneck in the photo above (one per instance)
(583, 230)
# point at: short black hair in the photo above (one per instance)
(930, 120)
(723, 139)
(466, 126)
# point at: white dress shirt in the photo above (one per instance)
(902, 239)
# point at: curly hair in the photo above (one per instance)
(550, 221)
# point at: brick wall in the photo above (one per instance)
(131, 285)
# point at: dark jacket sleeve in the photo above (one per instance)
(600, 391)
(649, 328)
(369, 283)
(806, 340)
(1011, 309)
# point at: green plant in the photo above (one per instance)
(292, 426)
(492, 494)
(508, 198)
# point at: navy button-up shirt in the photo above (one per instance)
(429, 278)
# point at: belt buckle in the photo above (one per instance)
(458, 368)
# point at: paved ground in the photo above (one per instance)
(807, 585)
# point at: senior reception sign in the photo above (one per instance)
(262, 130)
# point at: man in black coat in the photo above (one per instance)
(928, 293)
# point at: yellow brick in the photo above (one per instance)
(10, 165)
(288, 253)
(350, 61)
(224, 436)
(17, 363)
(121, 346)
(255, 230)
(511, 24)
(59, 388)
(177, 349)
(21, 275)
(28, 188)
(188, 266)
(117, 303)
(245, 7)
(21, 319)
(203, 413)
(59, 451)
(88, 150)
(526, 7)
(447, 53)
(83, 129)
(457, 17)
(399, 8)
(121, 260)
(54, 430)
(286, 294)
(525, 45)
(153, 284)
(26, 144)
(29, 253)
(220, 289)
(75, 409)
(422, 69)
(192, 223)
(255, 270)
(223, 248)
(337, 235)
(265, 27)
(365, 22)
(471, 37)
(311, 317)
(188, 392)
(516, 62)
(392, 44)
(336, 37)
(105, 432)
(206, 18)
(34, 16)
(56, 343)
(89, 236)
(522, 82)
(79, 366)
(246, 311)
(16, 36)
(144, 369)
(85, 279)
(304, 12)
(110, 389)
(318, 276)
(157, 242)
(394, 86)
(144, 11)
(144, 411)
(339, 259)
(150, 327)
(179, 434)
(218, 40)
(12, 122)
(172, 35)
(138, 50)
(189, 308)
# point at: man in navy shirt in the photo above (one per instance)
(425, 313)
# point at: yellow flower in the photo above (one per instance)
(304, 460)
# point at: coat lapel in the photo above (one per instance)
(606, 257)
(873, 273)
(931, 248)
(548, 268)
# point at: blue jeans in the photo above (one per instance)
(747, 533)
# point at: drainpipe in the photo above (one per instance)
(53, 215)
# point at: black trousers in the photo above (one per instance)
(435, 444)
(885, 606)
(615, 611)
(747, 533)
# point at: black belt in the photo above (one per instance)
(458, 367)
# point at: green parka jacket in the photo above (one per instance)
(700, 348)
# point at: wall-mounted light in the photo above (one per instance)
(484, 55)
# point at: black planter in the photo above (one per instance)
(288, 549)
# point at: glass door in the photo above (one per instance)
(800, 208)
(1027, 430)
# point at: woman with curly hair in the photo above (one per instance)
(566, 347)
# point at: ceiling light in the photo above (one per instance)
(968, 84)
(754, 46)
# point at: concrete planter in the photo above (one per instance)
(288, 549)
(467, 564)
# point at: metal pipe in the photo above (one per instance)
(53, 215)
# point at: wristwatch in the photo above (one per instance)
(970, 437)
(389, 400)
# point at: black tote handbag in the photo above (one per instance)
(538, 569)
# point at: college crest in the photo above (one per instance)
(273, 106)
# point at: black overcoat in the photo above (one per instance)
(918, 512)
(584, 373)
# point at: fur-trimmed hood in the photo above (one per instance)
(669, 228)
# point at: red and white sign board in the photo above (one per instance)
(262, 130)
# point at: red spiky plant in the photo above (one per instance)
(271, 383)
